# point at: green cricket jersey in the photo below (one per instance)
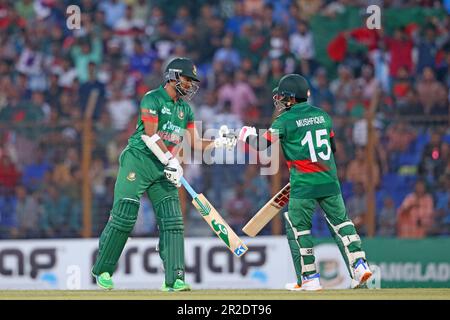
(304, 132)
(173, 119)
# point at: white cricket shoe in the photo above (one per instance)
(362, 274)
(309, 283)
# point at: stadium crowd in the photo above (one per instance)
(241, 48)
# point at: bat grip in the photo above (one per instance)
(188, 188)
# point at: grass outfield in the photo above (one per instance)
(380, 294)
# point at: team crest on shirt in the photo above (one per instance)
(131, 176)
(181, 114)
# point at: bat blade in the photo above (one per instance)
(219, 226)
(267, 212)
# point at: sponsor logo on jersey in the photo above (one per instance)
(166, 110)
(169, 126)
(131, 176)
(153, 112)
(171, 137)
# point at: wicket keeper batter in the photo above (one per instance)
(164, 118)
(306, 136)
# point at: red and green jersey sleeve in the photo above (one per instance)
(149, 109)
(305, 132)
(190, 119)
(276, 131)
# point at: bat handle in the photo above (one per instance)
(188, 188)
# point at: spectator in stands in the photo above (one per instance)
(208, 110)
(25, 9)
(227, 54)
(67, 74)
(85, 51)
(430, 91)
(28, 213)
(320, 91)
(120, 108)
(400, 49)
(203, 22)
(301, 44)
(142, 60)
(33, 174)
(9, 173)
(87, 88)
(237, 90)
(57, 219)
(30, 63)
(357, 170)
(401, 86)
(272, 70)
(434, 158)
(368, 83)
(409, 105)
(357, 208)
(415, 215)
(238, 208)
(257, 188)
(114, 10)
(426, 47)
(441, 224)
(238, 19)
(211, 40)
(342, 89)
(141, 12)
(387, 218)
(125, 30)
(190, 39)
(153, 79)
(181, 20)
(8, 218)
(53, 91)
(443, 69)
(399, 137)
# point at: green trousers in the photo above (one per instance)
(138, 173)
(298, 230)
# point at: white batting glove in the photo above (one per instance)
(245, 132)
(225, 139)
(174, 172)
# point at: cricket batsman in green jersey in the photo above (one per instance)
(148, 164)
(306, 136)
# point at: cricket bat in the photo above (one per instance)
(266, 213)
(215, 221)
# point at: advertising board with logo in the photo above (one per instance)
(66, 264)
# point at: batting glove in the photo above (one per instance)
(174, 172)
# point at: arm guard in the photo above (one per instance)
(153, 146)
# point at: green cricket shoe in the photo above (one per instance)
(104, 281)
(179, 285)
